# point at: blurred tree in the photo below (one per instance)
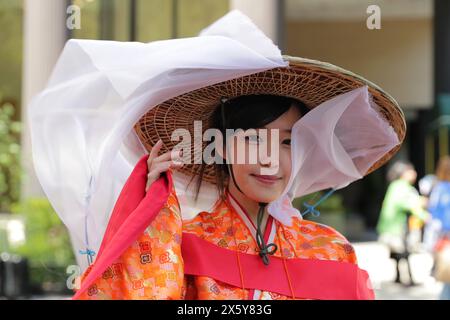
(333, 203)
(11, 39)
(152, 20)
(10, 169)
(194, 15)
(48, 247)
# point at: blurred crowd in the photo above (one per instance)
(418, 220)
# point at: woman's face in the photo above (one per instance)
(264, 180)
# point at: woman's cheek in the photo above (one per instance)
(286, 163)
(241, 174)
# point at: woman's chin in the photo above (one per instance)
(264, 195)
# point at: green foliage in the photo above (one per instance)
(332, 210)
(10, 90)
(194, 15)
(47, 238)
(332, 204)
(48, 247)
(11, 45)
(154, 20)
(10, 169)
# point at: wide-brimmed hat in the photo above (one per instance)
(310, 81)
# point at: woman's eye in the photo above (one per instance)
(287, 141)
(253, 139)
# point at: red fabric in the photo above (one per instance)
(441, 244)
(132, 214)
(311, 279)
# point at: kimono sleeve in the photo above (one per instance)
(152, 267)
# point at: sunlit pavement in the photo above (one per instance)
(374, 258)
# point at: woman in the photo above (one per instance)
(401, 201)
(224, 252)
(439, 207)
(234, 234)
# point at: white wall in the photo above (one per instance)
(262, 12)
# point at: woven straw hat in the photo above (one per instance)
(309, 81)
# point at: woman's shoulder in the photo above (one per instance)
(320, 229)
(324, 238)
(212, 218)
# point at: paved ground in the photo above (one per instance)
(374, 258)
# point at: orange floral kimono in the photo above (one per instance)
(215, 256)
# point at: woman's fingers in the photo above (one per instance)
(158, 164)
(155, 174)
(158, 168)
(169, 155)
(154, 152)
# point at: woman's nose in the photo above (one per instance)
(265, 160)
(268, 159)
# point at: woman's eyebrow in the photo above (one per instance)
(284, 130)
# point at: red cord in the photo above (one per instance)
(282, 255)
(238, 257)
(284, 262)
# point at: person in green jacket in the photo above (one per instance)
(401, 200)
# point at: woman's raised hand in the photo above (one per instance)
(158, 164)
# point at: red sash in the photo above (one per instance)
(310, 278)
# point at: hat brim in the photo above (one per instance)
(310, 81)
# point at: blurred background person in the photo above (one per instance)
(401, 201)
(437, 233)
(416, 225)
(426, 185)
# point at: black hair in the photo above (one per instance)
(246, 112)
(397, 169)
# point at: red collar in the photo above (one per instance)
(240, 208)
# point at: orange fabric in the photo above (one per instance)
(152, 268)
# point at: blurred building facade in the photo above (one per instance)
(406, 57)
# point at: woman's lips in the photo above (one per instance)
(265, 178)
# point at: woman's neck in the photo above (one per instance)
(249, 205)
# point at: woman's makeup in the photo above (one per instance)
(266, 179)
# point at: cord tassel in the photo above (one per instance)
(264, 250)
(312, 208)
